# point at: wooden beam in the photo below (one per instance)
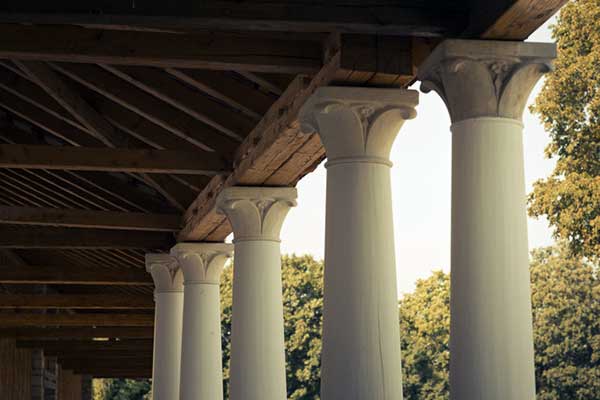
(33, 333)
(73, 301)
(110, 160)
(55, 86)
(69, 275)
(221, 51)
(72, 238)
(25, 319)
(82, 346)
(367, 16)
(89, 219)
(80, 364)
(512, 19)
(114, 373)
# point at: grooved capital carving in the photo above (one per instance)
(165, 272)
(358, 124)
(256, 213)
(202, 262)
(478, 78)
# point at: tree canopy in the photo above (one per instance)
(566, 306)
(569, 107)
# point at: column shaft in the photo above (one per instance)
(361, 335)
(201, 364)
(361, 339)
(167, 345)
(491, 337)
(257, 342)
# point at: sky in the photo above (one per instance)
(420, 191)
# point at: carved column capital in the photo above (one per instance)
(165, 272)
(256, 213)
(202, 262)
(358, 124)
(478, 78)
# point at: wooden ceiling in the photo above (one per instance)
(121, 122)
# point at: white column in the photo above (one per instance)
(168, 314)
(361, 338)
(485, 85)
(201, 365)
(257, 370)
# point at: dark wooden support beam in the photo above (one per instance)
(98, 373)
(368, 16)
(82, 363)
(33, 333)
(73, 301)
(92, 346)
(110, 160)
(221, 51)
(74, 238)
(26, 319)
(89, 219)
(68, 275)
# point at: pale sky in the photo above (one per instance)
(421, 191)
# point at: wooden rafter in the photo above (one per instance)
(72, 218)
(56, 87)
(220, 51)
(109, 160)
(73, 301)
(83, 346)
(71, 275)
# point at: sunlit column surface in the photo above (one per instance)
(257, 370)
(361, 339)
(201, 365)
(168, 314)
(485, 85)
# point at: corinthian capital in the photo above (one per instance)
(256, 213)
(478, 78)
(165, 272)
(357, 124)
(202, 262)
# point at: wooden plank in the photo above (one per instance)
(417, 18)
(33, 333)
(55, 347)
(55, 86)
(69, 275)
(23, 319)
(110, 160)
(89, 219)
(72, 238)
(212, 50)
(511, 19)
(74, 301)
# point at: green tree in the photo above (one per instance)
(425, 331)
(302, 279)
(566, 320)
(569, 107)
(121, 389)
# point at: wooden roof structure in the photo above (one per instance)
(120, 122)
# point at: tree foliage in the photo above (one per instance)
(566, 310)
(302, 279)
(425, 331)
(566, 320)
(121, 389)
(569, 106)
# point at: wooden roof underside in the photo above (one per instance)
(119, 126)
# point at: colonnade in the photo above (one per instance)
(485, 85)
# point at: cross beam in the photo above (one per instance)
(71, 218)
(73, 301)
(69, 275)
(26, 319)
(110, 160)
(34, 333)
